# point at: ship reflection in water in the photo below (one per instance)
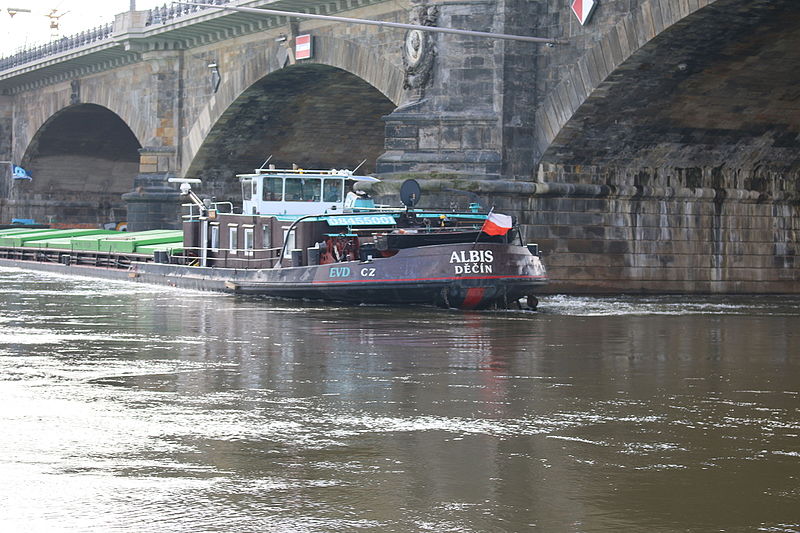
(131, 408)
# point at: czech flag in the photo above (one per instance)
(497, 224)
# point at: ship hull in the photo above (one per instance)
(464, 276)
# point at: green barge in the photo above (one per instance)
(95, 247)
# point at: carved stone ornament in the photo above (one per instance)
(418, 52)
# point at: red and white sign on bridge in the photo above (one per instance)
(302, 47)
(583, 9)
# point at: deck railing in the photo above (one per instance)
(247, 258)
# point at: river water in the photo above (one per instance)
(132, 408)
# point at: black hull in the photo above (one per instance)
(461, 276)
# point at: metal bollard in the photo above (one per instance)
(313, 256)
(297, 258)
(161, 256)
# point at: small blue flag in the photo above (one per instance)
(20, 173)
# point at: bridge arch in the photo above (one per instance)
(701, 84)
(86, 157)
(340, 63)
(311, 114)
(40, 110)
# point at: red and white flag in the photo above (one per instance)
(497, 224)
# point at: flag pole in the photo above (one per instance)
(481, 230)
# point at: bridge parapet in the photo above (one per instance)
(150, 17)
(84, 38)
(160, 15)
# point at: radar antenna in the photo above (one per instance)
(264, 164)
(410, 191)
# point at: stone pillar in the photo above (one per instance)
(452, 120)
(154, 203)
(6, 117)
(420, 140)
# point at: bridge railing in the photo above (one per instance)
(157, 15)
(58, 46)
(165, 13)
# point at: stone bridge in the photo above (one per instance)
(653, 149)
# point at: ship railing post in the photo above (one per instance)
(204, 245)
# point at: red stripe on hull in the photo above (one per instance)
(450, 278)
(473, 298)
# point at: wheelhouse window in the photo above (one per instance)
(233, 238)
(249, 241)
(266, 236)
(272, 189)
(215, 237)
(247, 189)
(289, 240)
(332, 190)
(303, 189)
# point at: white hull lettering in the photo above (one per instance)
(472, 261)
(474, 268)
(472, 256)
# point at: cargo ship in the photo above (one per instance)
(307, 234)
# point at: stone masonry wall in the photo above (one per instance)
(597, 238)
(453, 123)
(663, 231)
(682, 244)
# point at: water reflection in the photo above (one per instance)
(134, 408)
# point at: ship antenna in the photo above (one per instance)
(265, 163)
(359, 166)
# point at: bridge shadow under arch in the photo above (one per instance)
(718, 88)
(84, 157)
(314, 115)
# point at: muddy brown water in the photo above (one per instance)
(134, 408)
